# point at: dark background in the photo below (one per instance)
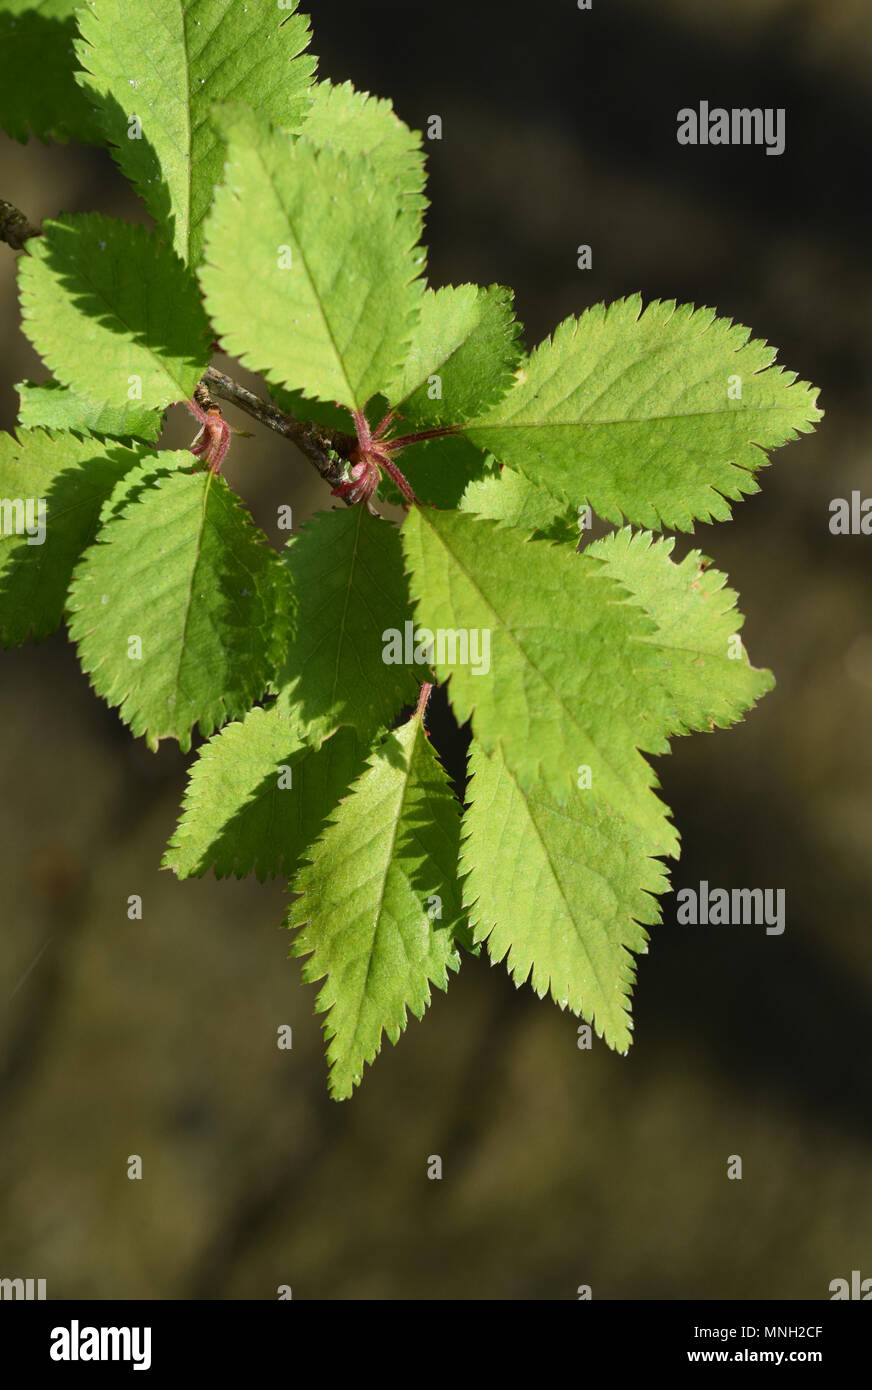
(561, 1167)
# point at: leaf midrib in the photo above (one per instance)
(303, 257)
(478, 426)
(529, 804)
(389, 863)
(503, 626)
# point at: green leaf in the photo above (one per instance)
(141, 479)
(701, 673)
(258, 796)
(359, 124)
(461, 358)
(184, 571)
(113, 312)
(390, 850)
(347, 572)
(631, 411)
(57, 407)
(38, 90)
(561, 888)
(552, 673)
(507, 496)
(166, 66)
(72, 476)
(310, 269)
(559, 892)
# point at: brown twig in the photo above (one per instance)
(319, 443)
(14, 226)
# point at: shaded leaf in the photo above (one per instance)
(348, 577)
(184, 572)
(378, 871)
(72, 476)
(157, 75)
(257, 797)
(113, 313)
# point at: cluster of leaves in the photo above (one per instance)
(288, 217)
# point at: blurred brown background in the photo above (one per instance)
(561, 1167)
